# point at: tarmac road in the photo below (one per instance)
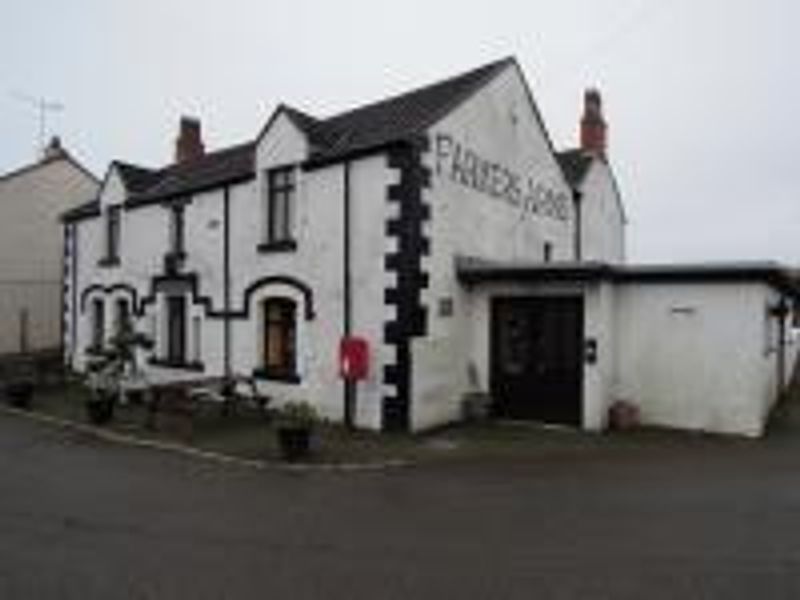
(84, 519)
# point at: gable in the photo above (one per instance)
(281, 142)
(495, 144)
(112, 190)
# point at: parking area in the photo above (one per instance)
(667, 516)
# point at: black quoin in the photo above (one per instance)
(411, 317)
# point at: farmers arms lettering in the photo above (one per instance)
(466, 167)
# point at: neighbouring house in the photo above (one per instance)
(31, 247)
(443, 231)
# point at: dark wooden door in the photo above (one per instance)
(537, 359)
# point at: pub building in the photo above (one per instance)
(430, 247)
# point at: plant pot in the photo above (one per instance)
(294, 442)
(100, 411)
(19, 394)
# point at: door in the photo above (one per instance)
(537, 359)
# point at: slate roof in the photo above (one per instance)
(82, 211)
(211, 170)
(575, 165)
(361, 130)
(136, 179)
(398, 118)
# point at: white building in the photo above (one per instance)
(31, 247)
(442, 227)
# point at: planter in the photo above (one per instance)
(19, 394)
(100, 411)
(294, 442)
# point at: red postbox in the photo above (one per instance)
(353, 358)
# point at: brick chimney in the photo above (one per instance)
(53, 150)
(594, 131)
(189, 144)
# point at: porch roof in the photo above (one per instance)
(474, 271)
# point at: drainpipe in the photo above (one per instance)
(781, 313)
(349, 385)
(577, 198)
(226, 265)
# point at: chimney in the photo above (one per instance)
(594, 131)
(53, 150)
(189, 144)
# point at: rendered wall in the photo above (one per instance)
(468, 218)
(696, 356)
(602, 217)
(31, 246)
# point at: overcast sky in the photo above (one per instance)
(701, 96)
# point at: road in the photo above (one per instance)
(84, 519)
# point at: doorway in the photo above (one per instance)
(537, 359)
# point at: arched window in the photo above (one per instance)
(279, 346)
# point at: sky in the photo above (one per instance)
(701, 96)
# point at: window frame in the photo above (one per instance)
(177, 230)
(113, 236)
(280, 198)
(121, 315)
(98, 324)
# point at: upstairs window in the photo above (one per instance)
(176, 230)
(112, 235)
(279, 346)
(280, 208)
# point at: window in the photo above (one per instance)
(176, 330)
(123, 317)
(98, 322)
(112, 236)
(176, 229)
(279, 346)
(280, 207)
(548, 252)
(197, 340)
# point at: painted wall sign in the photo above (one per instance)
(466, 167)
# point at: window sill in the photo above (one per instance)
(108, 261)
(263, 374)
(277, 246)
(172, 364)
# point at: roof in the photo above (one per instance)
(82, 211)
(398, 118)
(136, 179)
(210, 170)
(575, 165)
(475, 271)
(62, 155)
(361, 130)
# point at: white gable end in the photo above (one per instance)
(492, 164)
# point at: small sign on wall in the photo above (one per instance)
(446, 308)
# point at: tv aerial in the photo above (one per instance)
(43, 107)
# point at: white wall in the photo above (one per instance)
(499, 125)
(697, 356)
(602, 217)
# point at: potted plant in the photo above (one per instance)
(295, 425)
(19, 393)
(108, 371)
